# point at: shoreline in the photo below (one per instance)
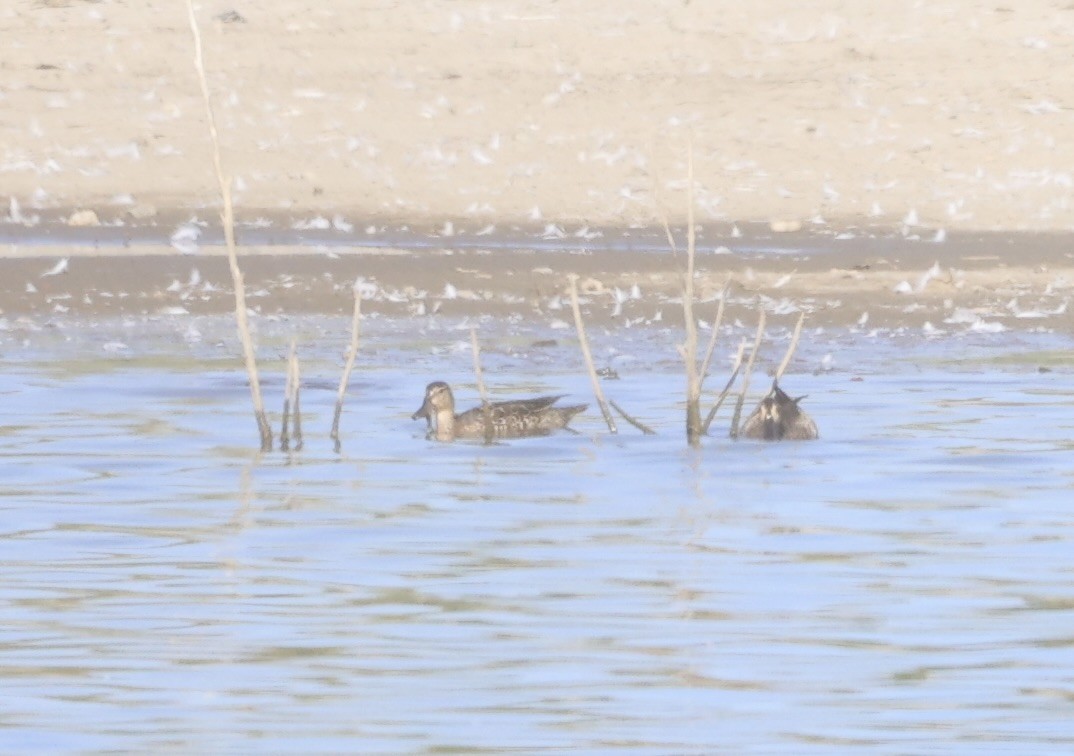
(966, 283)
(188, 231)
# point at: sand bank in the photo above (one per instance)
(949, 114)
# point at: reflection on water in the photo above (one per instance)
(905, 581)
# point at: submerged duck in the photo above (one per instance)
(512, 419)
(778, 417)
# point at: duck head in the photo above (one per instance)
(438, 409)
(778, 413)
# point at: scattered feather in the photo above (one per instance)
(58, 268)
(927, 276)
(319, 223)
(185, 238)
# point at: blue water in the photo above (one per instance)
(903, 585)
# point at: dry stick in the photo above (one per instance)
(583, 342)
(671, 238)
(486, 409)
(710, 349)
(249, 358)
(715, 333)
(632, 420)
(285, 437)
(746, 375)
(688, 350)
(296, 391)
(791, 348)
(660, 207)
(352, 353)
(727, 387)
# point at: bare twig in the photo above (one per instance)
(583, 342)
(486, 410)
(352, 353)
(689, 349)
(727, 388)
(288, 390)
(746, 375)
(791, 347)
(715, 333)
(296, 394)
(632, 420)
(670, 236)
(249, 357)
(662, 210)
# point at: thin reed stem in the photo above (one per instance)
(791, 347)
(288, 391)
(486, 410)
(583, 342)
(632, 420)
(296, 394)
(352, 353)
(746, 376)
(689, 348)
(727, 388)
(715, 334)
(248, 352)
(660, 205)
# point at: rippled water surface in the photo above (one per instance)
(904, 584)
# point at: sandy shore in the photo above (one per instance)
(911, 162)
(951, 114)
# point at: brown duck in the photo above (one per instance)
(513, 419)
(778, 417)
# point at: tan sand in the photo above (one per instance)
(513, 117)
(473, 112)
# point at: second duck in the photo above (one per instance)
(779, 417)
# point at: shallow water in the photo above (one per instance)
(901, 585)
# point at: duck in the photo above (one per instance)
(779, 417)
(517, 418)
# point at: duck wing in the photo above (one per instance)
(515, 407)
(516, 418)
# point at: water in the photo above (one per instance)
(901, 585)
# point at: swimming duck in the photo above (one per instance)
(778, 417)
(512, 419)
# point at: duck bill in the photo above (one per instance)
(423, 411)
(771, 430)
